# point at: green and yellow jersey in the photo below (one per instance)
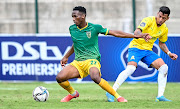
(85, 41)
(148, 25)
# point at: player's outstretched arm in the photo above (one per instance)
(122, 34)
(64, 60)
(164, 48)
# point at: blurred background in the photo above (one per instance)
(34, 36)
(54, 16)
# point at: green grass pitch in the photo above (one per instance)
(139, 96)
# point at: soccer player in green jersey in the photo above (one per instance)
(87, 57)
(139, 49)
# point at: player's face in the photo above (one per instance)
(161, 18)
(78, 17)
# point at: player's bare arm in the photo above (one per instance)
(122, 34)
(166, 50)
(64, 60)
(139, 33)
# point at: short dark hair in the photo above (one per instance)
(164, 10)
(80, 9)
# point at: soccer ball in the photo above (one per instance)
(40, 94)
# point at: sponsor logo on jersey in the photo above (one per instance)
(143, 24)
(153, 38)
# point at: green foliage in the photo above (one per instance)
(139, 96)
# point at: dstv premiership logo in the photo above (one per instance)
(142, 71)
(30, 58)
(31, 50)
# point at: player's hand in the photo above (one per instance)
(64, 61)
(173, 56)
(146, 36)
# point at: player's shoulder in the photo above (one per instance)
(150, 18)
(165, 26)
(92, 24)
(95, 25)
(89, 23)
(72, 26)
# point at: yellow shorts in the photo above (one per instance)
(84, 66)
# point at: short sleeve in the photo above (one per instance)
(101, 30)
(145, 23)
(70, 29)
(164, 37)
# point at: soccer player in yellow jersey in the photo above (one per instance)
(139, 49)
(87, 57)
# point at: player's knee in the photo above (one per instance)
(130, 69)
(163, 69)
(59, 78)
(96, 79)
(95, 76)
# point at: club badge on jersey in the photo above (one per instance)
(88, 34)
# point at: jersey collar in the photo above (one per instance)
(83, 27)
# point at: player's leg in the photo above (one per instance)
(62, 78)
(95, 76)
(162, 78)
(152, 59)
(134, 56)
(93, 69)
(131, 67)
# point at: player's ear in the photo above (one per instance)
(83, 16)
(157, 13)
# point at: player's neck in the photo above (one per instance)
(158, 25)
(83, 24)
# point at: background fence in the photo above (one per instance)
(54, 16)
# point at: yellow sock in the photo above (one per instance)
(66, 85)
(105, 85)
